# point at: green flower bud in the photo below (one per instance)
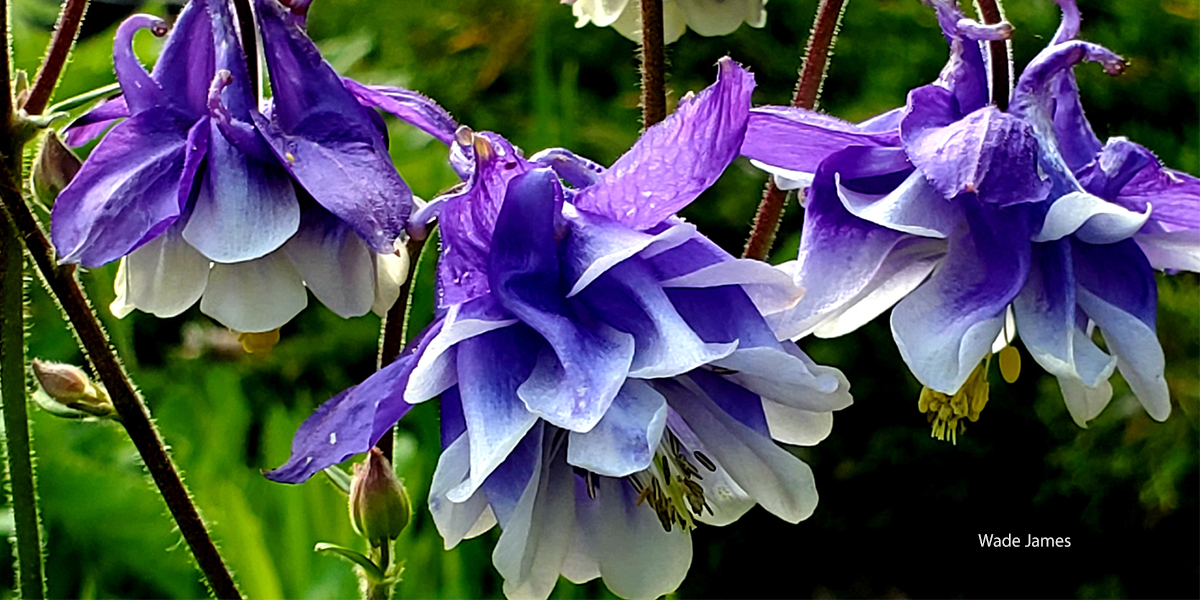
(54, 167)
(379, 506)
(69, 387)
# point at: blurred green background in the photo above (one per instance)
(900, 513)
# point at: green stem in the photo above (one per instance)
(394, 331)
(135, 417)
(808, 90)
(19, 449)
(16, 421)
(84, 98)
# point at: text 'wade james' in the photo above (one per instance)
(987, 540)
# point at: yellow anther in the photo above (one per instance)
(483, 148)
(945, 412)
(289, 156)
(1010, 364)
(257, 343)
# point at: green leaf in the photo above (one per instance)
(374, 573)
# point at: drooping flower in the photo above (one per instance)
(607, 374)
(206, 195)
(955, 211)
(705, 17)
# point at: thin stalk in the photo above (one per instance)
(1001, 59)
(654, 64)
(84, 98)
(247, 28)
(394, 331)
(808, 91)
(56, 57)
(18, 445)
(135, 417)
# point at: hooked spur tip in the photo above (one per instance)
(464, 136)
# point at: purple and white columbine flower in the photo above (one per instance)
(207, 196)
(705, 17)
(607, 376)
(1020, 208)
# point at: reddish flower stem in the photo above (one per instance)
(61, 43)
(808, 90)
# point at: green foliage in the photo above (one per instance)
(899, 512)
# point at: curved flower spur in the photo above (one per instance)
(606, 372)
(210, 197)
(1019, 209)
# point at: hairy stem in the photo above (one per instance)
(654, 64)
(394, 332)
(1001, 59)
(18, 445)
(135, 417)
(808, 90)
(56, 57)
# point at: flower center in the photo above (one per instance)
(946, 413)
(670, 485)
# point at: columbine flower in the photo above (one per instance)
(988, 203)
(210, 198)
(705, 17)
(608, 379)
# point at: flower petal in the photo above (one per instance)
(577, 377)
(677, 159)
(1118, 292)
(435, 371)
(94, 122)
(128, 188)
(721, 17)
(539, 534)
(792, 425)
(780, 482)
(798, 140)
(455, 520)
(637, 559)
(244, 208)
(408, 106)
(913, 207)
(947, 325)
(352, 421)
(597, 243)
(574, 169)
(624, 441)
(988, 153)
(256, 295)
(725, 499)
(1179, 250)
(490, 368)
(629, 298)
(1084, 403)
(325, 138)
(334, 263)
(468, 218)
(1090, 219)
(1045, 314)
(788, 377)
(166, 276)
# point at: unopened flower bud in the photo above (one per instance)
(53, 168)
(69, 386)
(379, 507)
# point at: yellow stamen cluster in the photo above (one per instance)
(946, 413)
(257, 343)
(669, 485)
